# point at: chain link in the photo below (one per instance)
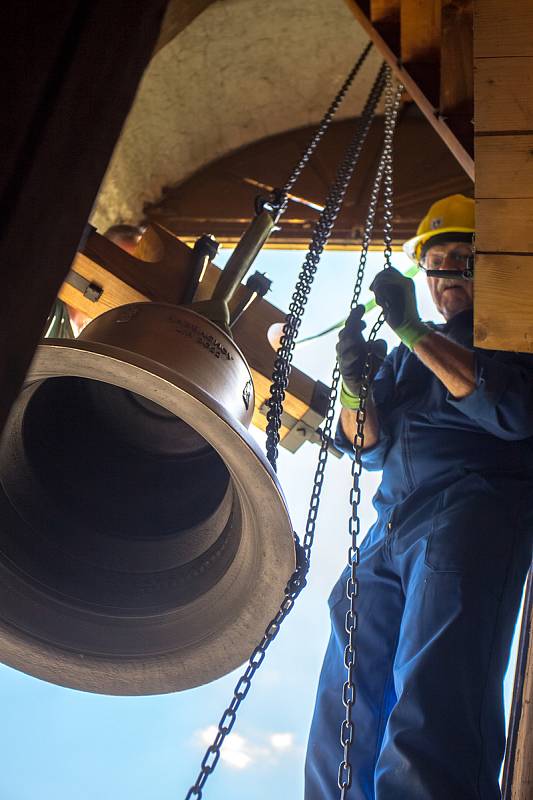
(384, 175)
(299, 578)
(303, 551)
(321, 234)
(321, 130)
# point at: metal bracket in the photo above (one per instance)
(306, 429)
(90, 290)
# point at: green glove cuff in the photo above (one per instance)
(349, 400)
(411, 332)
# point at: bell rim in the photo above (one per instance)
(162, 673)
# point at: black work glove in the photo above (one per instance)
(352, 350)
(396, 295)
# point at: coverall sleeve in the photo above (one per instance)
(382, 390)
(502, 402)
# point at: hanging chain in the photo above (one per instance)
(295, 585)
(303, 551)
(384, 174)
(321, 234)
(282, 194)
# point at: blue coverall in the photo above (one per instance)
(440, 581)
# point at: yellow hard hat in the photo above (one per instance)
(454, 214)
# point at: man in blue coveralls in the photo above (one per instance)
(442, 570)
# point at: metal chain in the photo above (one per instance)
(321, 234)
(295, 585)
(321, 130)
(303, 551)
(384, 174)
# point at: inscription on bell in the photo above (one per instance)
(207, 340)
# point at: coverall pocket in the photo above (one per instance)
(472, 531)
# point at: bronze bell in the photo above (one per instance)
(145, 542)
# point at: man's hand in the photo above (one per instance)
(396, 295)
(352, 350)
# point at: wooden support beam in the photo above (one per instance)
(428, 108)
(503, 302)
(420, 34)
(504, 94)
(517, 780)
(385, 17)
(385, 11)
(505, 166)
(420, 44)
(457, 59)
(513, 231)
(503, 28)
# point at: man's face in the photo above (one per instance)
(450, 295)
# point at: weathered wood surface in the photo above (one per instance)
(504, 94)
(504, 225)
(385, 10)
(503, 28)
(503, 302)
(456, 59)
(503, 308)
(420, 31)
(506, 166)
(62, 111)
(522, 787)
(417, 66)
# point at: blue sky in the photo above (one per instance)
(58, 744)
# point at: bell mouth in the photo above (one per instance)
(127, 508)
(179, 593)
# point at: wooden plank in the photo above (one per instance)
(72, 69)
(385, 16)
(457, 61)
(385, 11)
(504, 94)
(429, 110)
(522, 784)
(503, 302)
(504, 166)
(504, 226)
(420, 31)
(503, 28)
(420, 44)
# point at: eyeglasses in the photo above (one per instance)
(455, 259)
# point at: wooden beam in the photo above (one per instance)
(503, 302)
(503, 28)
(430, 111)
(385, 11)
(420, 31)
(385, 17)
(504, 226)
(456, 59)
(62, 114)
(517, 779)
(504, 94)
(505, 165)
(522, 783)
